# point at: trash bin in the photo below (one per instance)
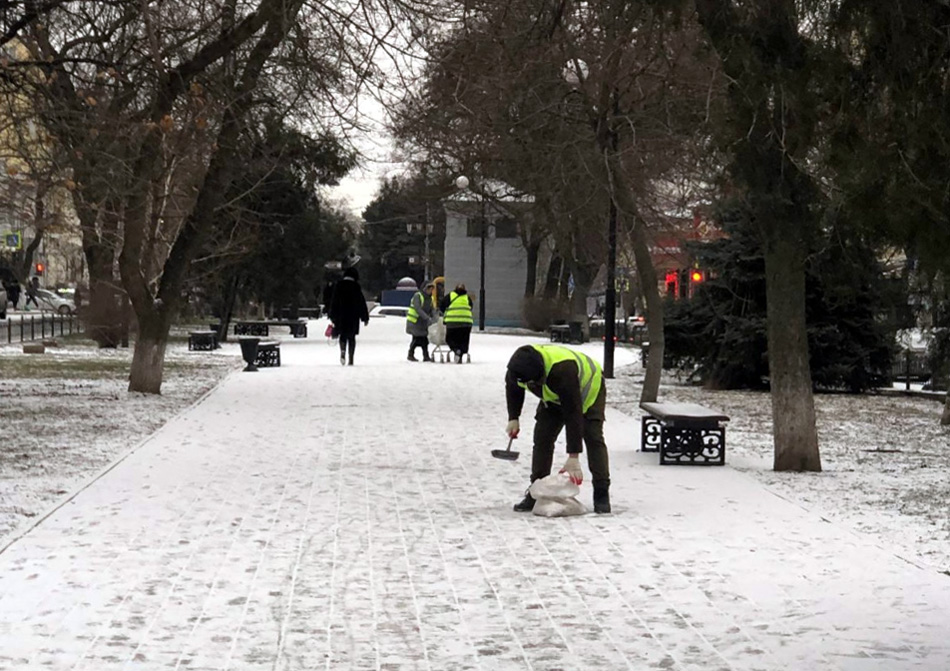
(577, 332)
(249, 352)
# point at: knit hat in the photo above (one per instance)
(526, 364)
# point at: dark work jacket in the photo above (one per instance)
(563, 380)
(348, 308)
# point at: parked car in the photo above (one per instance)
(389, 311)
(49, 300)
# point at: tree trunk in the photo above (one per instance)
(553, 277)
(583, 279)
(646, 274)
(227, 307)
(103, 315)
(646, 279)
(945, 418)
(793, 404)
(531, 277)
(148, 357)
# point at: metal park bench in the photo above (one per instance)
(567, 333)
(202, 340)
(298, 327)
(560, 333)
(684, 433)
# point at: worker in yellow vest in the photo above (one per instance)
(457, 316)
(573, 395)
(417, 321)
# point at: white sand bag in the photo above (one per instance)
(558, 507)
(555, 496)
(436, 332)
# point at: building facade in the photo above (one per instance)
(468, 219)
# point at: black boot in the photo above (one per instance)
(412, 356)
(526, 505)
(601, 501)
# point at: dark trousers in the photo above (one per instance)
(31, 298)
(548, 423)
(457, 338)
(419, 341)
(347, 345)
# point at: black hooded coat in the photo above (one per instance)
(348, 308)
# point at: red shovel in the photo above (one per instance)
(507, 455)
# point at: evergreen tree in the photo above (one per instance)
(720, 334)
(386, 244)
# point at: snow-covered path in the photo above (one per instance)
(319, 516)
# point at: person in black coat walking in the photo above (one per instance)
(347, 310)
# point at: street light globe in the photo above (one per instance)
(461, 182)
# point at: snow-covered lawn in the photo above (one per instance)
(885, 459)
(66, 414)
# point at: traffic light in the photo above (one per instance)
(696, 276)
(40, 267)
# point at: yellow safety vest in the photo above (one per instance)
(591, 377)
(412, 316)
(459, 311)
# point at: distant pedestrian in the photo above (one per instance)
(573, 396)
(31, 289)
(418, 320)
(13, 293)
(347, 310)
(457, 310)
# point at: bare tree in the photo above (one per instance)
(590, 108)
(149, 101)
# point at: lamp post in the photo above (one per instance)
(462, 183)
(610, 296)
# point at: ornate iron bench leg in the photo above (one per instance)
(651, 433)
(704, 446)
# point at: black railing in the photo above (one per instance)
(33, 327)
(910, 365)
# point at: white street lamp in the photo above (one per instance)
(462, 183)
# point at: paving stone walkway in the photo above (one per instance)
(325, 517)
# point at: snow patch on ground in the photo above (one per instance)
(59, 429)
(885, 459)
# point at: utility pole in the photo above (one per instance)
(427, 265)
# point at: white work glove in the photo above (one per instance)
(573, 468)
(512, 428)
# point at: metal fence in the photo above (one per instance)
(39, 327)
(910, 365)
